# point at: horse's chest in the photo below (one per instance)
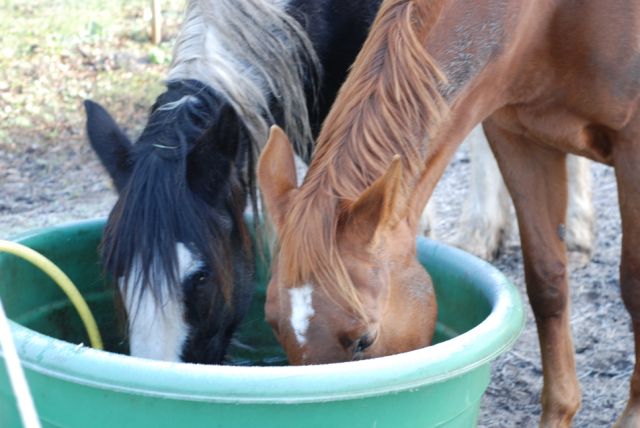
(558, 127)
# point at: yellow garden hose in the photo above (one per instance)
(63, 282)
(24, 400)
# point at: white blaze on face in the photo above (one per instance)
(158, 330)
(301, 311)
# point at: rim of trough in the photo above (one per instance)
(291, 384)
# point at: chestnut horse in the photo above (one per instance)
(546, 78)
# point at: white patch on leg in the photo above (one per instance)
(301, 311)
(580, 215)
(158, 330)
(486, 211)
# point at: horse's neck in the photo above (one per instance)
(508, 52)
(390, 106)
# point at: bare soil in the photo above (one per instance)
(49, 175)
(37, 192)
(601, 327)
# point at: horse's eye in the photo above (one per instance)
(198, 278)
(363, 343)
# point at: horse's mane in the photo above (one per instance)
(250, 51)
(386, 107)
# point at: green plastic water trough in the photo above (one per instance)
(74, 386)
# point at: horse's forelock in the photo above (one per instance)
(144, 228)
(178, 119)
(310, 252)
(158, 208)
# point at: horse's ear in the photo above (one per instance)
(277, 175)
(381, 205)
(215, 151)
(224, 135)
(109, 142)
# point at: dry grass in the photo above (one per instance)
(54, 54)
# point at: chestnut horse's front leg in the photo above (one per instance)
(626, 162)
(536, 177)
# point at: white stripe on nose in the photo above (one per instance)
(158, 330)
(301, 311)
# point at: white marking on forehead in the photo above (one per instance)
(301, 311)
(158, 330)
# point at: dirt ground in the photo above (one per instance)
(49, 175)
(601, 327)
(36, 192)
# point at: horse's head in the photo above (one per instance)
(345, 283)
(175, 240)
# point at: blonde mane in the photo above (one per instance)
(386, 107)
(248, 51)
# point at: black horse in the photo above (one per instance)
(176, 240)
